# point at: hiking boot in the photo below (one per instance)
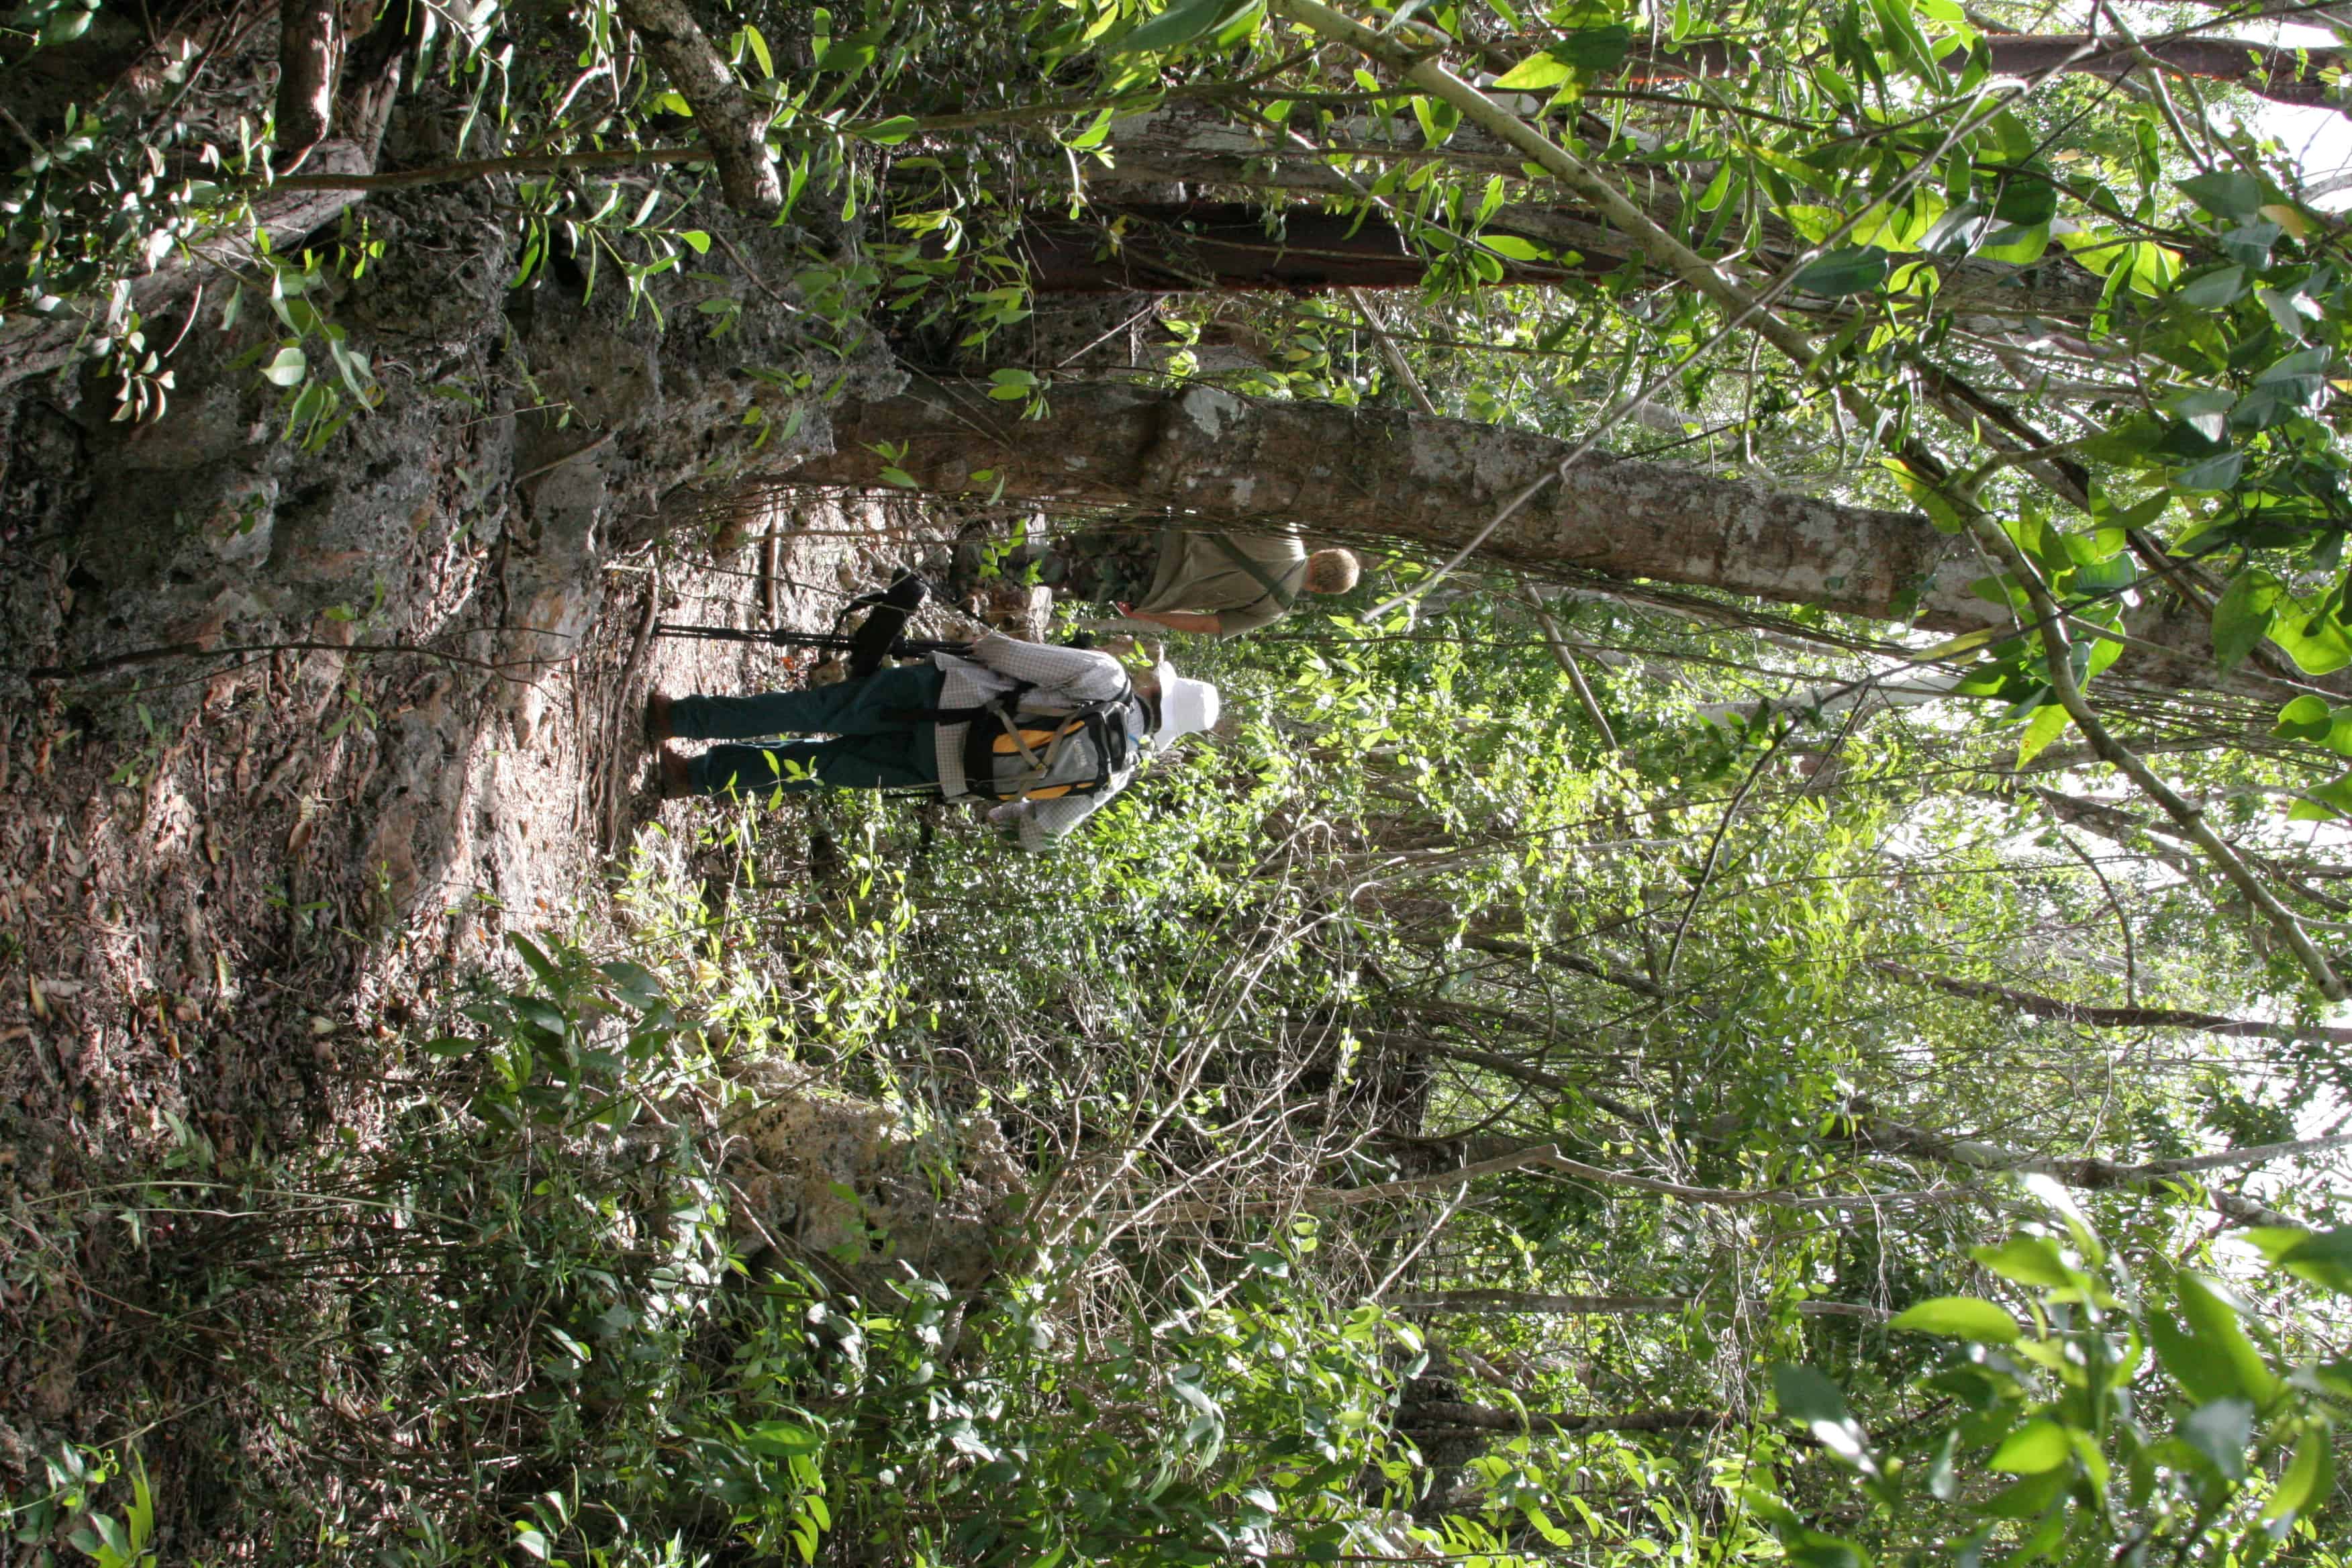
(657, 729)
(676, 782)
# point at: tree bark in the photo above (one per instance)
(1222, 459)
(1430, 485)
(1198, 145)
(1172, 246)
(2281, 75)
(310, 58)
(735, 133)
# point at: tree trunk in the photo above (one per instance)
(1428, 483)
(1197, 145)
(2281, 75)
(310, 58)
(731, 127)
(1431, 485)
(1172, 246)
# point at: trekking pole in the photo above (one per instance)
(836, 642)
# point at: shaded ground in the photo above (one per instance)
(210, 924)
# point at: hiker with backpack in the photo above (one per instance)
(1047, 733)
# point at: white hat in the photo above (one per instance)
(1187, 707)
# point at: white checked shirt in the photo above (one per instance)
(1060, 679)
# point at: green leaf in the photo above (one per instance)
(2209, 1316)
(1842, 272)
(2317, 643)
(2206, 412)
(851, 55)
(2027, 201)
(2237, 197)
(2039, 1444)
(2047, 724)
(65, 25)
(2304, 718)
(2027, 1497)
(1586, 53)
(2323, 803)
(2325, 1260)
(1812, 1548)
(1960, 1318)
(1180, 25)
(1437, 118)
(759, 47)
(534, 958)
(1534, 74)
(2212, 290)
(2312, 1474)
(2250, 246)
(2289, 311)
(2287, 388)
(2027, 1260)
(2020, 244)
(2212, 475)
(1813, 1400)
(2221, 1432)
(889, 132)
(2242, 615)
(1512, 245)
(287, 368)
(783, 1438)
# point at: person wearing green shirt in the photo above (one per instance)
(1209, 580)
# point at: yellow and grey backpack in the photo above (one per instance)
(1012, 754)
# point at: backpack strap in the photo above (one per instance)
(1283, 597)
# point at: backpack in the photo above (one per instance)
(889, 610)
(1093, 748)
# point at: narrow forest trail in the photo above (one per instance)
(223, 926)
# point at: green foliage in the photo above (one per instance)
(2138, 1418)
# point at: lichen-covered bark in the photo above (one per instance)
(1431, 482)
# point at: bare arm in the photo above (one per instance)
(1176, 620)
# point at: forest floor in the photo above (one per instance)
(210, 937)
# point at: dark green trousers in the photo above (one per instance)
(875, 745)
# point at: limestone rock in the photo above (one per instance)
(861, 1194)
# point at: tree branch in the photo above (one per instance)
(1611, 1306)
(734, 132)
(2055, 1008)
(1444, 1413)
(2058, 663)
(310, 58)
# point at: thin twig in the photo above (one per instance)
(555, 463)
